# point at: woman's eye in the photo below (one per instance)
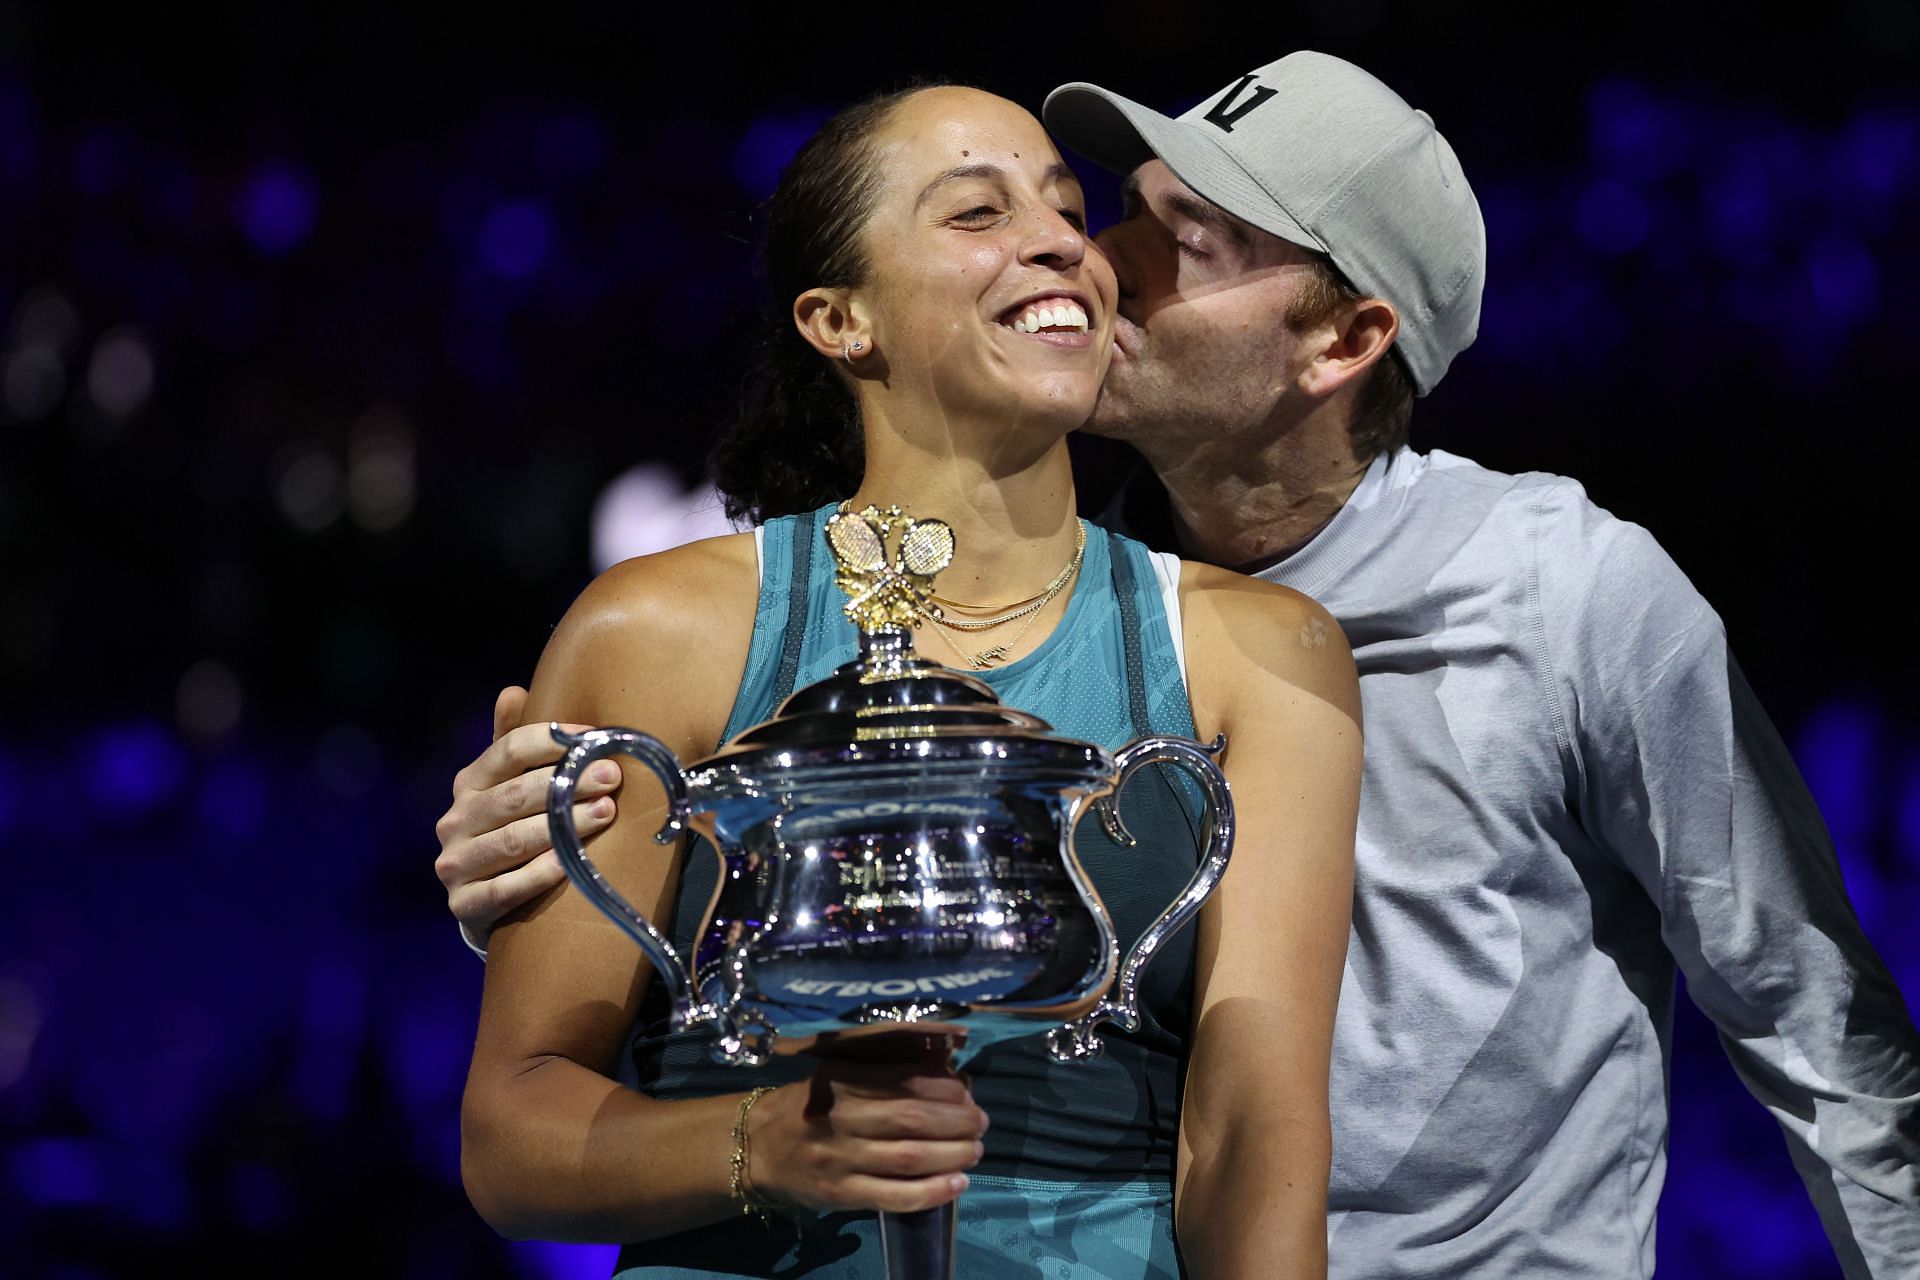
(1193, 251)
(979, 213)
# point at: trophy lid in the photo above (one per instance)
(891, 704)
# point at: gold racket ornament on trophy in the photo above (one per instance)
(897, 856)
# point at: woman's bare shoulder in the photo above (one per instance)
(673, 627)
(661, 598)
(1235, 600)
(1241, 627)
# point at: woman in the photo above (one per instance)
(933, 251)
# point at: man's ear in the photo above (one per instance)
(833, 323)
(1358, 340)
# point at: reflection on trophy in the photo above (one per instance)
(897, 851)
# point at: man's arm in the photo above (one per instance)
(494, 851)
(1683, 779)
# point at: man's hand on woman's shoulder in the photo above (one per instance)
(494, 851)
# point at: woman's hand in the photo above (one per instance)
(495, 854)
(894, 1129)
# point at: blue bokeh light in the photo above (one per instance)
(135, 767)
(1836, 750)
(57, 1172)
(1878, 154)
(1634, 132)
(278, 208)
(1844, 279)
(1742, 213)
(1613, 217)
(514, 239)
(545, 1261)
(333, 1031)
(1907, 813)
(768, 143)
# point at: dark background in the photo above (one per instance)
(323, 331)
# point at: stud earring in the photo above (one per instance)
(847, 351)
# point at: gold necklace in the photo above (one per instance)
(1020, 609)
(987, 608)
(986, 659)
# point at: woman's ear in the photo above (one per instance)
(833, 323)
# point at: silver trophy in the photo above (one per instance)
(897, 857)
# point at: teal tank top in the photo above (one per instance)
(1108, 674)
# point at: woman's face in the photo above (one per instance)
(985, 295)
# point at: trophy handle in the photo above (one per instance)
(1077, 1040)
(582, 750)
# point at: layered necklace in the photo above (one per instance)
(1029, 609)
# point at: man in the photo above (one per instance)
(1569, 788)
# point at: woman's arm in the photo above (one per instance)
(551, 1146)
(1271, 670)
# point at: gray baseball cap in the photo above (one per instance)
(1316, 151)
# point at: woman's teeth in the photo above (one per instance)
(1057, 315)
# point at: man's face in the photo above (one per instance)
(1202, 346)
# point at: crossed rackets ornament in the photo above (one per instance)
(887, 592)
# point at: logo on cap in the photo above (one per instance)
(1226, 115)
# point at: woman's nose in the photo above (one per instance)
(1055, 240)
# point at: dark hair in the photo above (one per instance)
(795, 443)
(1383, 408)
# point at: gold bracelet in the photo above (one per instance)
(740, 1180)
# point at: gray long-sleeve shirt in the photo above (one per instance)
(1569, 790)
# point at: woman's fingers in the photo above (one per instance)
(892, 1119)
(897, 1195)
(893, 1080)
(899, 1152)
(846, 1173)
(912, 1159)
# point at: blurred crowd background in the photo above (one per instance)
(338, 347)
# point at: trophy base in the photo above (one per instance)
(899, 1015)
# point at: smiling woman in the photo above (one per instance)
(942, 323)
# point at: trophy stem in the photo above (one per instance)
(919, 1245)
(916, 1245)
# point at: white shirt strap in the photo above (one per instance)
(1166, 567)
